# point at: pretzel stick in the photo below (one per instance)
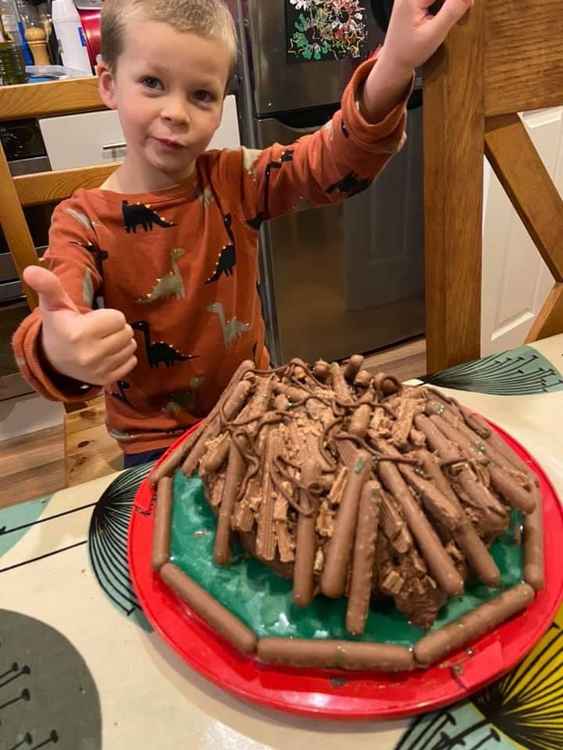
(503, 483)
(321, 370)
(211, 427)
(352, 367)
(436, 503)
(481, 496)
(534, 572)
(296, 652)
(495, 441)
(387, 384)
(233, 480)
(209, 609)
(517, 496)
(447, 402)
(478, 440)
(303, 569)
(364, 556)
(440, 643)
(467, 538)
(340, 386)
(474, 423)
(359, 421)
(162, 521)
(167, 467)
(439, 562)
(333, 577)
(402, 426)
(214, 458)
(363, 378)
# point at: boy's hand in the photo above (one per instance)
(414, 34)
(96, 347)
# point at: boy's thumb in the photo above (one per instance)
(50, 291)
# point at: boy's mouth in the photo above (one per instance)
(169, 143)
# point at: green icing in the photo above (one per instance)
(263, 600)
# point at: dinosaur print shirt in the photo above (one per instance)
(182, 265)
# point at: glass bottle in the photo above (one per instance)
(11, 20)
(26, 18)
(12, 66)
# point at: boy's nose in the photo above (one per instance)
(175, 111)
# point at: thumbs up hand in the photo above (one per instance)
(96, 347)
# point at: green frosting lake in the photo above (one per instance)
(263, 600)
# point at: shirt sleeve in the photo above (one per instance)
(71, 255)
(337, 161)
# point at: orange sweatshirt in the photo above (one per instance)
(182, 265)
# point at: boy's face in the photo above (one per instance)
(168, 89)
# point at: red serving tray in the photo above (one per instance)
(336, 694)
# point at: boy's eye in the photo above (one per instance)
(204, 96)
(151, 82)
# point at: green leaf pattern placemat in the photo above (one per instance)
(518, 372)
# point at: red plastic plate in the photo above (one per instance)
(336, 694)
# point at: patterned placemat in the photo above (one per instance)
(107, 542)
(522, 710)
(518, 372)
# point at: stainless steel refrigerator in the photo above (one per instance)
(339, 279)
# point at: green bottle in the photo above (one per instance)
(12, 66)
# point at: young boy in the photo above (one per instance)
(169, 241)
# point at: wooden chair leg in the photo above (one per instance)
(549, 321)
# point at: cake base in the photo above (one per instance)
(345, 695)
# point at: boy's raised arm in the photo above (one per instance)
(414, 34)
(343, 157)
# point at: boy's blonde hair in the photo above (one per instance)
(207, 18)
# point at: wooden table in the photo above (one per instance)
(80, 668)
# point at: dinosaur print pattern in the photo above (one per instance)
(232, 329)
(225, 263)
(257, 221)
(185, 402)
(205, 195)
(227, 257)
(81, 218)
(350, 185)
(261, 216)
(98, 255)
(171, 285)
(249, 158)
(88, 288)
(159, 352)
(122, 386)
(141, 214)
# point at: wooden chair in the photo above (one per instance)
(505, 57)
(96, 456)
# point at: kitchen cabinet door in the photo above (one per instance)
(516, 280)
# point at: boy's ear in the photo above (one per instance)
(106, 85)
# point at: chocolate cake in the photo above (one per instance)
(352, 484)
